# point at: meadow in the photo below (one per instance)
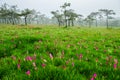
(58, 53)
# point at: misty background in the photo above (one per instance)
(80, 12)
(83, 7)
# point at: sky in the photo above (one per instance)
(84, 7)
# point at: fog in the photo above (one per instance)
(83, 7)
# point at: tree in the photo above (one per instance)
(13, 14)
(107, 14)
(64, 7)
(80, 20)
(25, 13)
(89, 19)
(71, 15)
(9, 14)
(95, 16)
(4, 13)
(58, 16)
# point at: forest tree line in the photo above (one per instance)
(63, 17)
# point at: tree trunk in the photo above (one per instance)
(96, 22)
(65, 19)
(89, 24)
(13, 22)
(59, 22)
(68, 22)
(25, 20)
(107, 24)
(72, 22)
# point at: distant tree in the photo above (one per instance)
(13, 14)
(4, 13)
(89, 19)
(58, 16)
(71, 15)
(107, 14)
(25, 13)
(37, 17)
(80, 20)
(95, 16)
(64, 7)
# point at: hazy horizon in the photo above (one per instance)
(84, 7)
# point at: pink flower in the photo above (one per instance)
(51, 56)
(28, 58)
(115, 66)
(80, 56)
(43, 65)
(94, 75)
(28, 72)
(18, 66)
(92, 78)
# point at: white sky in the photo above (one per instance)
(83, 7)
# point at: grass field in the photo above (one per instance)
(54, 53)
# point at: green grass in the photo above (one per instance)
(77, 52)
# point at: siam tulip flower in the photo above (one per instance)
(28, 72)
(115, 66)
(13, 57)
(34, 64)
(73, 64)
(34, 57)
(18, 66)
(115, 61)
(28, 58)
(94, 75)
(80, 56)
(51, 56)
(92, 78)
(43, 65)
(97, 60)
